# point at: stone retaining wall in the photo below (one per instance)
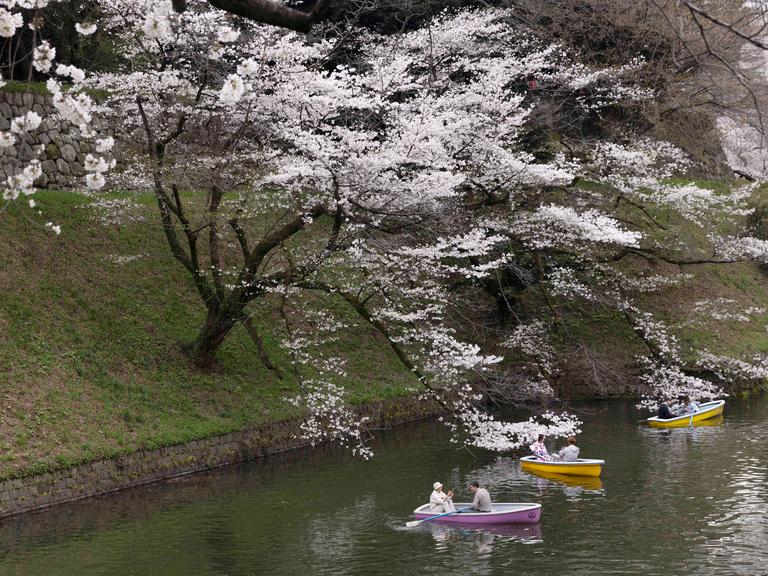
(36, 492)
(64, 149)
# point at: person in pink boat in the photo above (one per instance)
(439, 501)
(482, 501)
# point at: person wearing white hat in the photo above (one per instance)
(439, 501)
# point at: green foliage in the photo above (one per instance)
(40, 88)
(25, 87)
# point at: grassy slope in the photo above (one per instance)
(90, 350)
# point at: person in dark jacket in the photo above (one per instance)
(664, 412)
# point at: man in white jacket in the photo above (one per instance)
(569, 452)
(439, 501)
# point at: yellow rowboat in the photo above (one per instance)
(705, 412)
(582, 466)
(586, 482)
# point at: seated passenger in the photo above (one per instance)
(664, 412)
(482, 501)
(539, 449)
(439, 501)
(568, 453)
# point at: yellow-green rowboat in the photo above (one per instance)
(705, 412)
(581, 467)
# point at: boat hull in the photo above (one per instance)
(707, 411)
(505, 513)
(582, 467)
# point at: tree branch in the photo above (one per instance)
(276, 237)
(256, 337)
(213, 240)
(363, 312)
(707, 16)
(270, 12)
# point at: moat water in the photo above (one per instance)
(679, 502)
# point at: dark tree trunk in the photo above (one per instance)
(217, 325)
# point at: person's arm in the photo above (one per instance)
(476, 502)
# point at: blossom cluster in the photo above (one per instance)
(74, 106)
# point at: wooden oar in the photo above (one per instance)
(413, 523)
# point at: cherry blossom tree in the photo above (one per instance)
(393, 183)
(275, 170)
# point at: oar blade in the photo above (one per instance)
(413, 523)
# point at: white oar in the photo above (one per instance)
(413, 523)
(690, 424)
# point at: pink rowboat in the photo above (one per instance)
(503, 513)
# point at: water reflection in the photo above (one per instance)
(479, 542)
(520, 532)
(589, 483)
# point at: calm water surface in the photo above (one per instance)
(670, 502)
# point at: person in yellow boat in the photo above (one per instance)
(539, 449)
(688, 407)
(568, 453)
(439, 501)
(664, 413)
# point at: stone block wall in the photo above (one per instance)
(144, 467)
(64, 149)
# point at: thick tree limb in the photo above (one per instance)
(682, 261)
(269, 12)
(278, 236)
(216, 194)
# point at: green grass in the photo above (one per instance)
(41, 88)
(91, 352)
(25, 87)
